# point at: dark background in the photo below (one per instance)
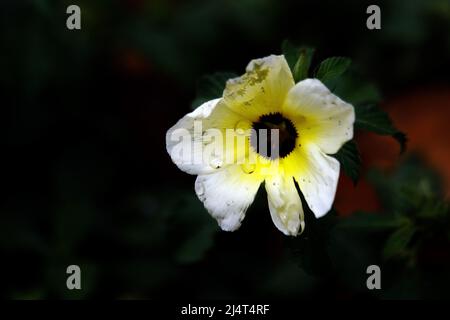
(87, 179)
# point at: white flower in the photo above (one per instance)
(307, 120)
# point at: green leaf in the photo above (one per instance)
(350, 160)
(413, 189)
(299, 59)
(290, 52)
(331, 68)
(372, 118)
(303, 63)
(353, 89)
(397, 243)
(211, 87)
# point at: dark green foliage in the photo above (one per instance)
(331, 68)
(299, 59)
(350, 160)
(397, 244)
(372, 118)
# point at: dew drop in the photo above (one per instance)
(241, 127)
(216, 163)
(248, 168)
(200, 189)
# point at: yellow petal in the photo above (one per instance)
(197, 143)
(284, 204)
(227, 194)
(261, 90)
(319, 116)
(317, 175)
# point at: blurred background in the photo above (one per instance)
(87, 179)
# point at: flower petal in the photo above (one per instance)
(227, 194)
(319, 115)
(285, 204)
(262, 89)
(317, 175)
(196, 143)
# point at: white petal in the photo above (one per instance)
(317, 176)
(285, 204)
(262, 89)
(227, 194)
(191, 138)
(320, 115)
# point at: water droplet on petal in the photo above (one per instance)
(241, 127)
(248, 168)
(216, 163)
(200, 189)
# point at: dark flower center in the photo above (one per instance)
(274, 136)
